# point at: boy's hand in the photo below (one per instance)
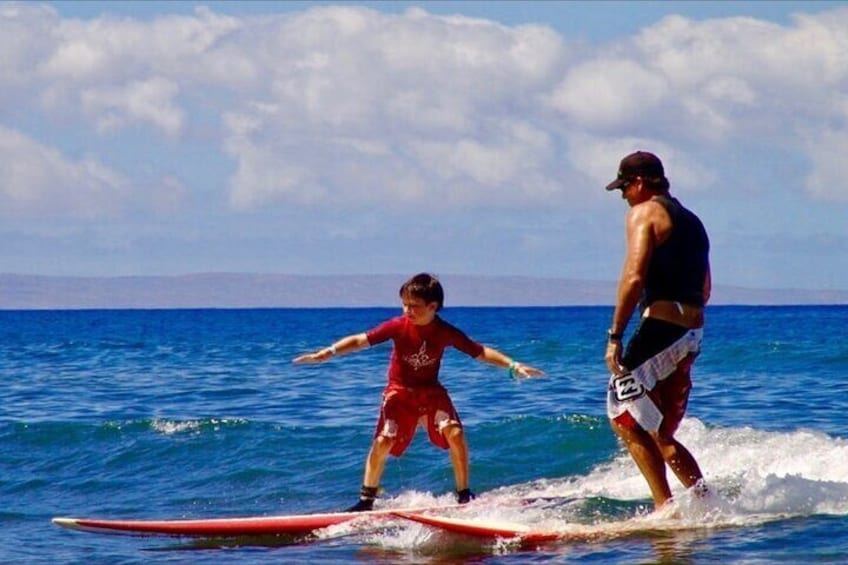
(318, 357)
(526, 371)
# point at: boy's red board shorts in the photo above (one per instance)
(404, 408)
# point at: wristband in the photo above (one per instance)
(613, 336)
(512, 367)
(332, 349)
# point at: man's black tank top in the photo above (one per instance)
(679, 265)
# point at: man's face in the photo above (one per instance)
(631, 190)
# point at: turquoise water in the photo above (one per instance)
(200, 413)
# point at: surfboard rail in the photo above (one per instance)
(295, 524)
(482, 528)
(291, 524)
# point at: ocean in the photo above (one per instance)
(201, 413)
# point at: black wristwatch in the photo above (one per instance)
(614, 337)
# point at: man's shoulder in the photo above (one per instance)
(651, 216)
(647, 210)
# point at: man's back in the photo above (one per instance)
(679, 265)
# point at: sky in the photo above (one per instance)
(332, 138)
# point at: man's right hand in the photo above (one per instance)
(613, 357)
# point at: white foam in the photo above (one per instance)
(751, 471)
(754, 476)
(170, 427)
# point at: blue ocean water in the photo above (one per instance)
(200, 413)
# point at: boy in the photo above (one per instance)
(414, 394)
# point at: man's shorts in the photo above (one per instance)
(655, 393)
(405, 408)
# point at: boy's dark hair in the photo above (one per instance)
(426, 287)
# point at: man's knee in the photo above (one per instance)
(666, 444)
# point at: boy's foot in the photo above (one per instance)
(364, 505)
(465, 496)
(366, 499)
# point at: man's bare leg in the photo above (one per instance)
(648, 458)
(681, 461)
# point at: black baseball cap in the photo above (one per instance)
(638, 164)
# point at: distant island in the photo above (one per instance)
(245, 290)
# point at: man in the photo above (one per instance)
(666, 272)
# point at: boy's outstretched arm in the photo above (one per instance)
(516, 369)
(347, 344)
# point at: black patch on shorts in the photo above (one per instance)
(651, 337)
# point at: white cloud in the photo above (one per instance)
(150, 100)
(826, 180)
(25, 39)
(598, 158)
(345, 104)
(110, 49)
(755, 74)
(36, 180)
(405, 102)
(609, 93)
(718, 86)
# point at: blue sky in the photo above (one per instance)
(394, 137)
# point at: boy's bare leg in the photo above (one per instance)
(458, 454)
(375, 463)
